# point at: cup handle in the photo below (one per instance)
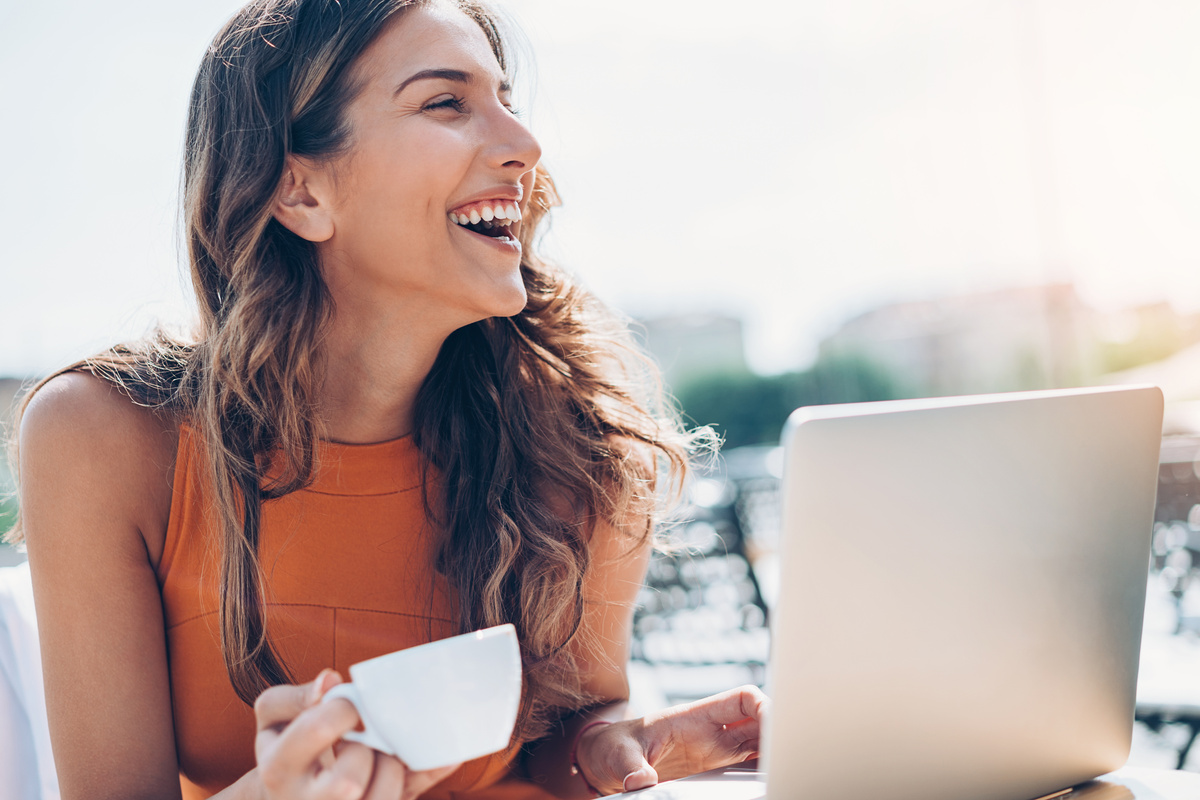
(347, 691)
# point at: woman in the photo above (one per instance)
(395, 424)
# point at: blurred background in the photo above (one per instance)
(796, 202)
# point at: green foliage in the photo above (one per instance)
(1159, 333)
(8, 513)
(1118, 356)
(751, 409)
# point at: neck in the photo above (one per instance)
(374, 367)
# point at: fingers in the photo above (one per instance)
(740, 713)
(740, 741)
(301, 754)
(301, 743)
(279, 705)
(737, 712)
(744, 702)
(641, 778)
(389, 780)
(745, 735)
(755, 703)
(295, 736)
(616, 757)
(348, 777)
(714, 732)
(300, 751)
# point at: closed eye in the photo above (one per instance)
(452, 103)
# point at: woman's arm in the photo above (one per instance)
(95, 481)
(635, 753)
(95, 491)
(618, 567)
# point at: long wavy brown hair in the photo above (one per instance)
(538, 425)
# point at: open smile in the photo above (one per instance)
(496, 220)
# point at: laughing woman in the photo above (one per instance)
(394, 424)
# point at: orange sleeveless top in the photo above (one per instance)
(348, 566)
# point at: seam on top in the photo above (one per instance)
(326, 607)
(311, 490)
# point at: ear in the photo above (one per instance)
(303, 201)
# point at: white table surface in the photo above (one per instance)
(1128, 783)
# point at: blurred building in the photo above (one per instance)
(689, 345)
(1007, 339)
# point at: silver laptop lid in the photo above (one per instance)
(961, 599)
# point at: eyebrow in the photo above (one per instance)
(456, 75)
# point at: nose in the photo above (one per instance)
(513, 145)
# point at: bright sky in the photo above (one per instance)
(793, 163)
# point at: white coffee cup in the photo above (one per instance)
(439, 703)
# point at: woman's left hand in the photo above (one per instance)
(678, 741)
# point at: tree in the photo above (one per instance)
(751, 409)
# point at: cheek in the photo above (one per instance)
(394, 197)
(405, 184)
(438, 163)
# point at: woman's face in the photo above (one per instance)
(434, 144)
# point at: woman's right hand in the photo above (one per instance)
(301, 755)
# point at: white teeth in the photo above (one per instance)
(497, 216)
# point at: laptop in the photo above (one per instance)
(961, 596)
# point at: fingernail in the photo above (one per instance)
(318, 687)
(643, 783)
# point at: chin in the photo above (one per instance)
(513, 304)
(500, 295)
(508, 296)
(506, 304)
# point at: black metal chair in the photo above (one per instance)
(702, 621)
(1175, 555)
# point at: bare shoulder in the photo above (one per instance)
(79, 401)
(95, 474)
(634, 482)
(81, 435)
